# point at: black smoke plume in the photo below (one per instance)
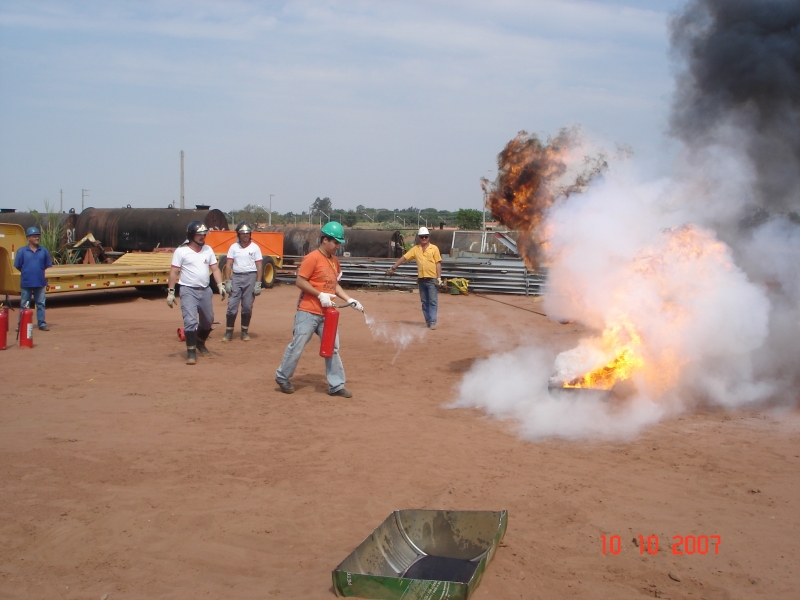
(741, 71)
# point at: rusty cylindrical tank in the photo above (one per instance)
(131, 229)
(299, 241)
(442, 239)
(66, 221)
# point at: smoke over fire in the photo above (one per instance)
(532, 176)
(691, 285)
(741, 85)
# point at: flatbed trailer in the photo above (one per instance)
(130, 270)
(134, 269)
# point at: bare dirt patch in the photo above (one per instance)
(125, 472)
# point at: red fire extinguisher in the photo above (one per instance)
(25, 328)
(3, 327)
(329, 328)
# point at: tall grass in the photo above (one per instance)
(52, 233)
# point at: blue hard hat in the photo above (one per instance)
(32, 231)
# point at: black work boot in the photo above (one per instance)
(229, 321)
(191, 347)
(202, 336)
(245, 325)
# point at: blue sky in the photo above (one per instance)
(385, 104)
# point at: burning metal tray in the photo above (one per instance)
(576, 393)
(422, 554)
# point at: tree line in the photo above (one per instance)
(321, 211)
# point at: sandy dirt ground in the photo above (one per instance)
(129, 474)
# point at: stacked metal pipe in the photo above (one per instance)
(485, 275)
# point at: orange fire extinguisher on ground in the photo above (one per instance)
(25, 332)
(3, 327)
(329, 328)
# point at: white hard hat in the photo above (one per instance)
(423, 231)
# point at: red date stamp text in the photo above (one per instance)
(681, 544)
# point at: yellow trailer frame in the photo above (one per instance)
(130, 270)
(134, 269)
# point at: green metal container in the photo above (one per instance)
(422, 555)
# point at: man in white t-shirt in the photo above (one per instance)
(242, 274)
(190, 267)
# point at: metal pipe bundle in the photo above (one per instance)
(491, 276)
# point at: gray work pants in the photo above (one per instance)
(242, 285)
(196, 307)
(306, 324)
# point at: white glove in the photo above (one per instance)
(222, 292)
(228, 285)
(171, 297)
(390, 271)
(326, 299)
(257, 289)
(355, 304)
(439, 281)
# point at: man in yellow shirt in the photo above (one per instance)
(429, 273)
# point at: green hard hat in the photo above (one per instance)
(335, 230)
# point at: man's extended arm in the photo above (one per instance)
(400, 261)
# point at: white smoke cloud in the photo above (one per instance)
(514, 386)
(621, 253)
(397, 334)
(695, 279)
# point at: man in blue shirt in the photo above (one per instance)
(31, 262)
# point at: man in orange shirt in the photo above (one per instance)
(318, 280)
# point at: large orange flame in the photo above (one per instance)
(529, 182)
(679, 255)
(623, 342)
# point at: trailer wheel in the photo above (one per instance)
(268, 280)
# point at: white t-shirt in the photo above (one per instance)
(194, 265)
(245, 259)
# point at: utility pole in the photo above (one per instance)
(84, 193)
(270, 208)
(62, 201)
(183, 204)
(485, 194)
(484, 210)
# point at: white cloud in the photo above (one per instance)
(448, 82)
